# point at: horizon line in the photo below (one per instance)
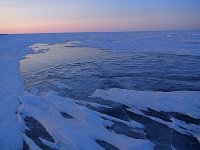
(121, 31)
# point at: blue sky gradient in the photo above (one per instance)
(27, 16)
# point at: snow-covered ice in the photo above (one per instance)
(134, 90)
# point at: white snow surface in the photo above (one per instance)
(11, 86)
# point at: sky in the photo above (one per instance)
(44, 16)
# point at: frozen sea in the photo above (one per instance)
(86, 91)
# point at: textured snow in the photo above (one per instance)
(186, 102)
(83, 129)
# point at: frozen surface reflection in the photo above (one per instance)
(78, 71)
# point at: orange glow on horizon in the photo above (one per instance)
(81, 26)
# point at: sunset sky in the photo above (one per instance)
(36, 16)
